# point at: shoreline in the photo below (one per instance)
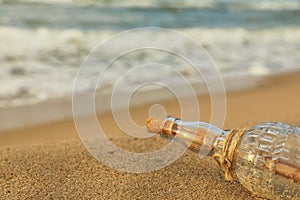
(245, 108)
(16, 117)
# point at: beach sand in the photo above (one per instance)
(49, 162)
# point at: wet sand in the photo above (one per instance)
(49, 162)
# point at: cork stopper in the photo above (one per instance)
(154, 125)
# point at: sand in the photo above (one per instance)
(49, 162)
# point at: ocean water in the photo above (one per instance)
(43, 43)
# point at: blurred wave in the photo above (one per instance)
(222, 4)
(45, 41)
(117, 17)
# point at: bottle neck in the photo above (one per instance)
(200, 137)
(219, 143)
(203, 138)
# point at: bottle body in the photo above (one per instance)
(267, 161)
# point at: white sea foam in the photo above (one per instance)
(41, 64)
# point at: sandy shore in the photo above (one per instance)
(49, 162)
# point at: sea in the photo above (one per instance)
(44, 42)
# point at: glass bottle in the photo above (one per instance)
(265, 159)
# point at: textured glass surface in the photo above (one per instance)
(267, 161)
